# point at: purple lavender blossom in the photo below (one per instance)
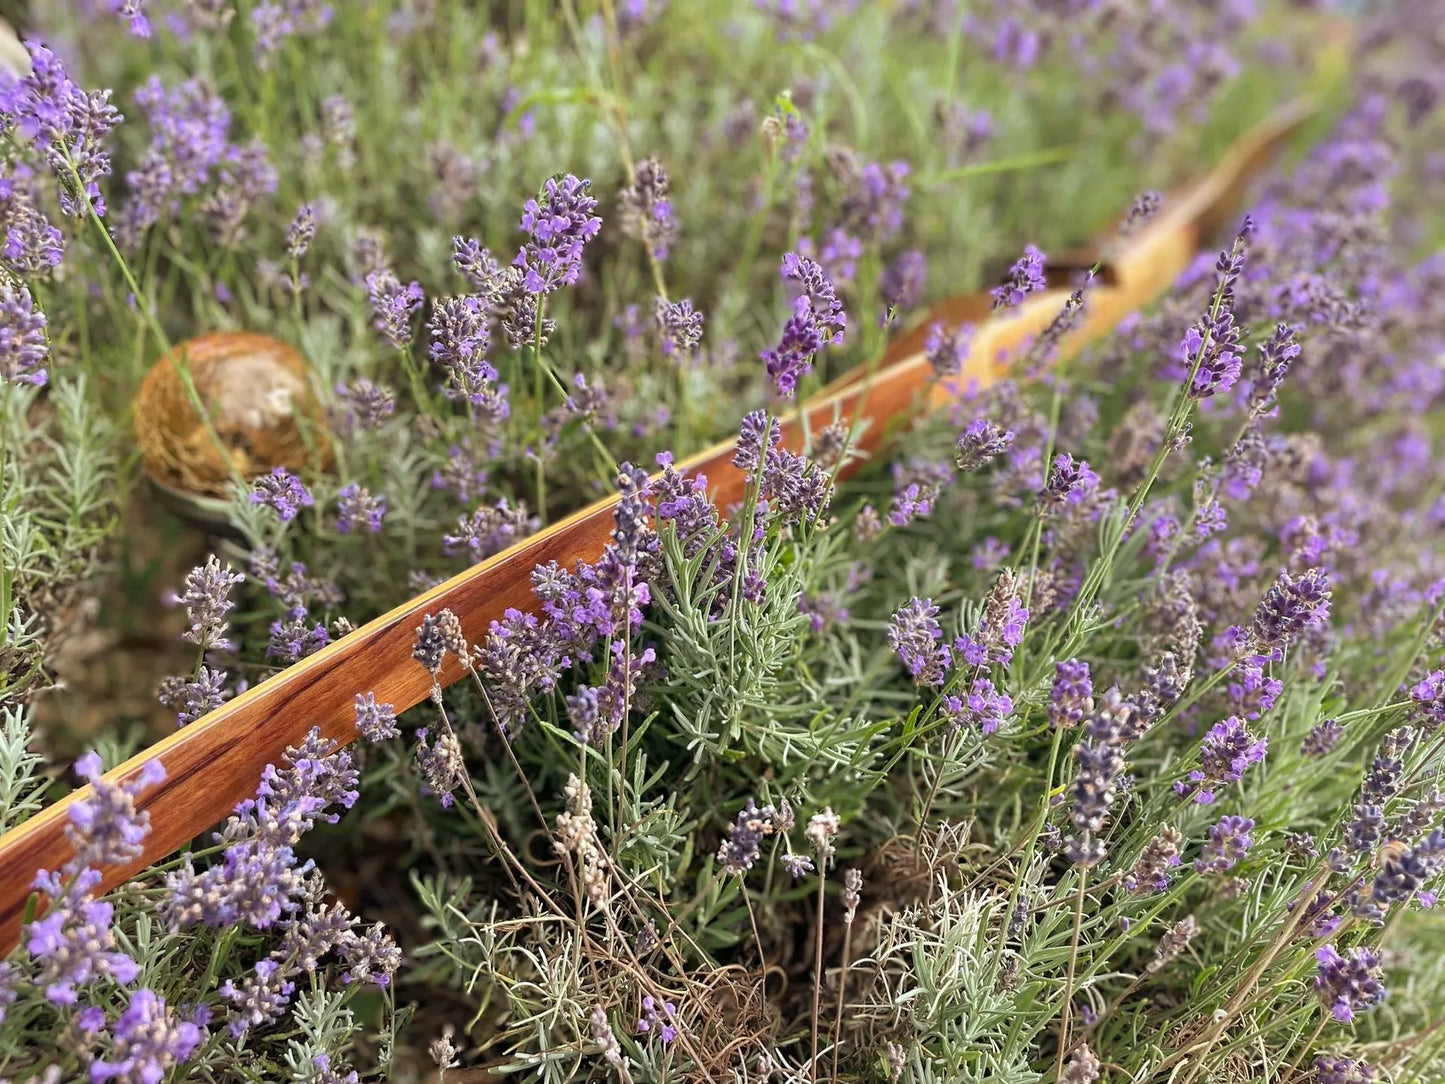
(984, 707)
(489, 529)
(838, 256)
(1383, 781)
(33, 246)
(476, 264)
(1071, 482)
(981, 443)
(260, 999)
(1253, 691)
(301, 232)
(917, 486)
(679, 327)
(105, 828)
(1216, 367)
(872, 209)
(558, 224)
(597, 712)
(1228, 750)
(659, 1020)
(440, 764)
(743, 846)
(823, 610)
(1428, 696)
(271, 24)
(1339, 1069)
(430, 646)
(148, 1040)
(1211, 350)
(207, 601)
(1348, 984)
(757, 435)
(338, 124)
(1150, 873)
(681, 503)
(1072, 693)
(375, 722)
(1317, 917)
(461, 473)
(1001, 628)
(915, 634)
(133, 12)
(795, 490)
(1322, 738)
(796, 864)
(962, 129)
(312, 933)
(1229, 842)
(24, 345)
(246, 178)
(645, 210)
(454, 175)
(1291, 606)
(282, 491)
(1043, 348)
(364, 405)
(1405, 871)
(1145, 206)
(326, 1072)
(370, 957)
(1365, 828)
(1276, 355)
(393, 306)
(800, 20)
(191, 698)
(1024, 278)
(355, 505)
(947, 347)
(74, 943)
(818, 320)
(189, 143)
(1101, 763)
(65, 123)
(366, 254)
(259, 878)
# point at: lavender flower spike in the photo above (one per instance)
(1024, 278)
(392, 306)
(1229, 748)
(208, 601)
(105, 828)
(65, 123)
(1229, 841)
(149, 1039)
(1348, 984)
(558, 224)
(282, 491)
(1291, 606)
(818, 320)
(914, 633)
(23, 342)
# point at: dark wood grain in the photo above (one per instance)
(216, 762)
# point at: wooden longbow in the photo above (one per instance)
(217, 761)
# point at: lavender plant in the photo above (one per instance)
(238, 170)
(1093, 736)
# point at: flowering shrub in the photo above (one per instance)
(1094, 736)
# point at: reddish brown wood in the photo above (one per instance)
(217, 761)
